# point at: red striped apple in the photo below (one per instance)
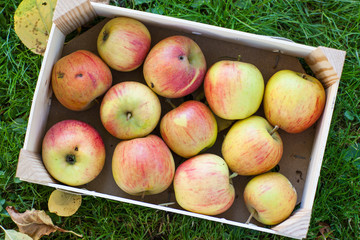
(270, 198)
(293, 101)
(202, 184)
(252, 147)
(79, 78)
(143, 166)
(73, 152)
(123, 43)
(189, 128)
(233, 89)
(175, 67)
(129, 110)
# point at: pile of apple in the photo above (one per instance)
(142, 162)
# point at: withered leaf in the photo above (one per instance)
(32, 23)
(63, 203)
(35, 223)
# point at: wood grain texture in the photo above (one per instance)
(327, 64)
(296, 226)
(71, 14)
(30, 168)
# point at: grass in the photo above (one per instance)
(336, 209)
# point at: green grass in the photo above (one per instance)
(333, 24)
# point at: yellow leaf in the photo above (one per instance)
(64, 204)
(33, 21)
(14, 235)
(35, 223)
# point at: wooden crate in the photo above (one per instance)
(326, 63)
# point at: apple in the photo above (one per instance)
(293, 101)
(189, 128)
(270, 198)
(73, 152)
(174, 67)
(202, 185)
(252, 147)
(79, 78)
(233, 89)
(143, 166)
(123, 43)
(129, 110)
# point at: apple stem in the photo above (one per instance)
(239, 58)
(128, 116)
(250, 217)
(274, 130)
(233, 175)
(143, 195)
(170, 103)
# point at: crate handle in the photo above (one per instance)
(71, 14)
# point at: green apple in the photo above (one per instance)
(175, 67)
(143, 166)
(73, 152)
(79, 78)
(270, 198)
(202, 184)
(189, 128)
(233, 89)
(123, 43)
(293, 101)
(252, 147)
(129, 110)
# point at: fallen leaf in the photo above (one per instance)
(14, 235)
(33, 21)
(325, 231)
(35, 223)
(64, 204)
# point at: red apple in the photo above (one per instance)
(293, 101)
(143, 166)
(233, 89)
(129, 110)
(175, 67)
(73, 152)
(189, 128)
(79, 78)
(270, 198)
(123, 43)
(202, 185)
(252, 147)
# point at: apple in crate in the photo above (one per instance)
(175, 67)
(73, 152)
(233, 89)
(123, 43)
(202, 185)
(270, 198)
(79, 78)
(293, 101)
(189, 129)
(143, 166)
(129, 110)
(252, 146)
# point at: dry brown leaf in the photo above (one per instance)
(32, 23)
(64, 204)
(35, 223)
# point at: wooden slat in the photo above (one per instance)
(30, 168)
(327, 64)
(295, 226)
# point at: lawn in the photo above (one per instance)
(336, 212)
